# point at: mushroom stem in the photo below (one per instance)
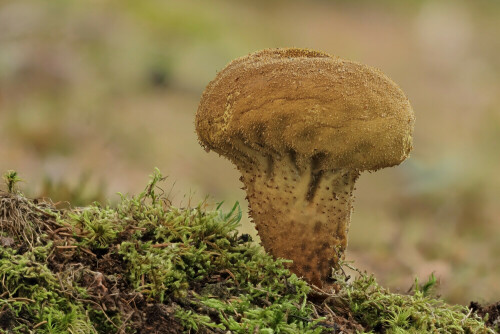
(302, 213)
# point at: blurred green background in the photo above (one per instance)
(95, 94)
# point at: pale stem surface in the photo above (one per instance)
(301, 214)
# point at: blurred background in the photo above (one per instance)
(95, 94)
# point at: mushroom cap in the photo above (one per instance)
(308, 103)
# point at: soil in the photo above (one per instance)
(493, 312)
(103, 277)
(6, 318)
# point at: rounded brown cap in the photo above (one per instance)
(310, 104)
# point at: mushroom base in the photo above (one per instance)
(301, 214)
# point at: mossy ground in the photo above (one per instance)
(145, 266)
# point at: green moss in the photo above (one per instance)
(380, 310)
(145, 265)
(33, 295)
(95, 226)
(11, 178)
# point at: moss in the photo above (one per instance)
(377, 309)
(33, 296)
(11, 178)
(145, 266)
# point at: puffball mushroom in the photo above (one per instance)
(300, 125)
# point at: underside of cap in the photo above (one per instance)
(307, 103)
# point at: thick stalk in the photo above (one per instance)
(301, 213)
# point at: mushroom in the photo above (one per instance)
(300, 125)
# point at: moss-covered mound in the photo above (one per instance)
(145, 266)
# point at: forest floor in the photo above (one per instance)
(144, 266)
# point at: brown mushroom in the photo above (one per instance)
(300, 126)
